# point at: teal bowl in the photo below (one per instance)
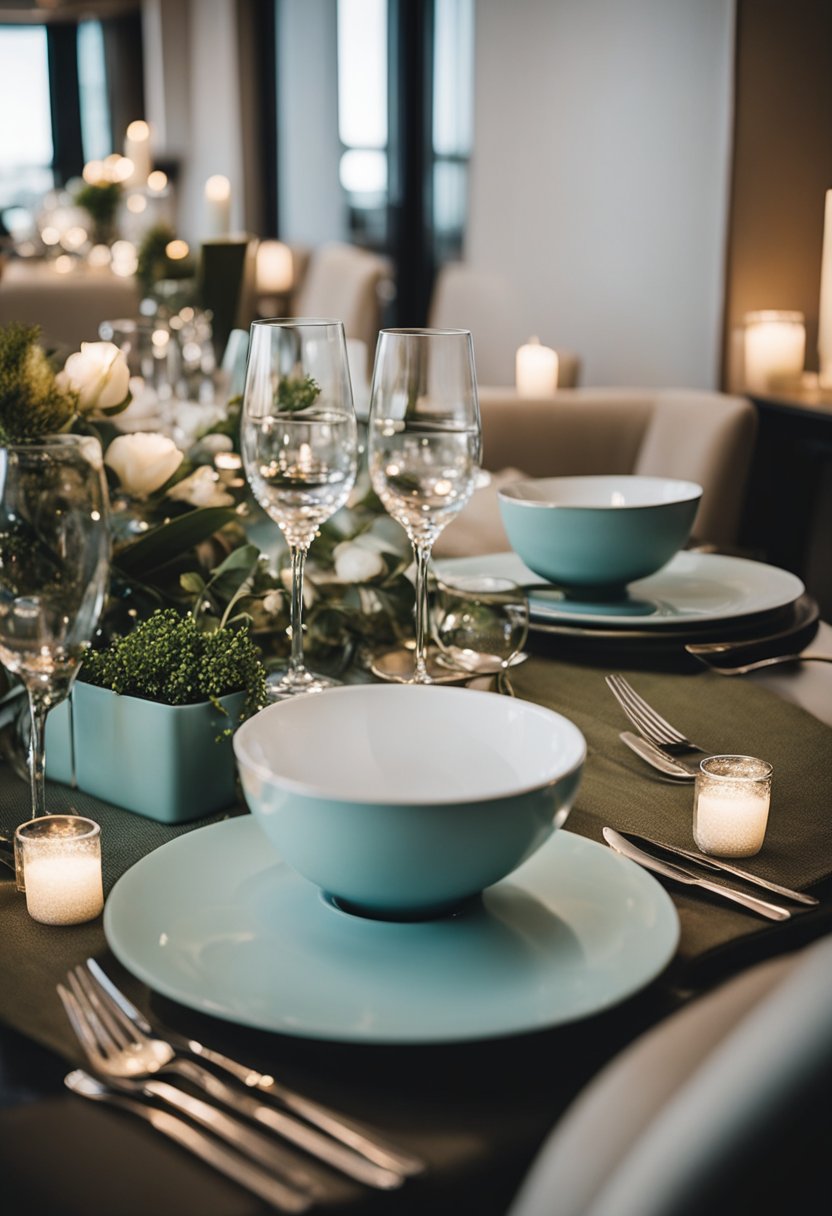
(598, 532)
(401, 802)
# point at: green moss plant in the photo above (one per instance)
(168, 659)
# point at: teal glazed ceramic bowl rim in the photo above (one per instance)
(686, 491)
(310, 789)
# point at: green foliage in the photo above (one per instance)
(154, 263)
(297, 393)
(31, 403)
(168, 659)
(100, 200)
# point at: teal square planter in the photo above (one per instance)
(162, 761)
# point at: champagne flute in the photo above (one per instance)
(54, 568)
(299, 447)
(424, 442)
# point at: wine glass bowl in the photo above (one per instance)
(299, 450)
(54, 569)
(424, 442)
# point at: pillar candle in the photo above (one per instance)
(536, 370)
(775, 347)
(137, 149)
(217, 206)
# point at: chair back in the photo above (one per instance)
(343, 281)
(489, 306)
(697, 1114)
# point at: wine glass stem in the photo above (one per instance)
(421, 552)
(298, 555)
(38, 709)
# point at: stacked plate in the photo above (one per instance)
(696, 597)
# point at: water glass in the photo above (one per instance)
(481, 623)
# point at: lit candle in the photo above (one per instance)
(775, 347)
(137, 150)
(59, 867)
(275, 269)
(536, 370)
(731, 804)
(217, 206)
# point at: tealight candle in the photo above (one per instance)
(536, 369)
(730, 805)
(59, 867)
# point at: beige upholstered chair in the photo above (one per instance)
(724, 1107)
(489, 305)
(343, 281)
(698, 436)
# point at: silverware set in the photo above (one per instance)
(240, 1126)
(660, 744)
(629, 845)
(671, 753)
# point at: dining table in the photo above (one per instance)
(476, 1108)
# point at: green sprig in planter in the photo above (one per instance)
(153, 716)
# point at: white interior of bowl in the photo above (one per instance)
(407, 745)
(601, 493)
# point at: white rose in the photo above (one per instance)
(98, 373)
(143, 461)
(213, 443)
(201, 489)
(273, 603)
(356, 564)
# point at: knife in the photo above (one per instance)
(656, 757)
(714, 863)
(761, 906)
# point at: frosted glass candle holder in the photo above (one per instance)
(730, 805)
(59, 867)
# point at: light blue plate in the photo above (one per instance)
(692, 589)
(216, 921)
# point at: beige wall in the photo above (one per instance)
(783, 160)
(599, 180)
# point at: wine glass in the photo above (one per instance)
(424, 442)
(54, 568)
(299, 448)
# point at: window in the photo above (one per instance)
(26, 143)
(362, 115)
(453, 122)
(92, 84)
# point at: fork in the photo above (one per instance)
(335, 1125)
(285, 1186)
(742, 669)
(656, 729)
(118, 1051)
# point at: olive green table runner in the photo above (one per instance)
(617, 789)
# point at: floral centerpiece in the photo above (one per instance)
(186, 530)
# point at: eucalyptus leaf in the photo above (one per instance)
(171, 539)
(192, 582)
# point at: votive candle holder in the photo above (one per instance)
(731, 802)
(59, 867)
